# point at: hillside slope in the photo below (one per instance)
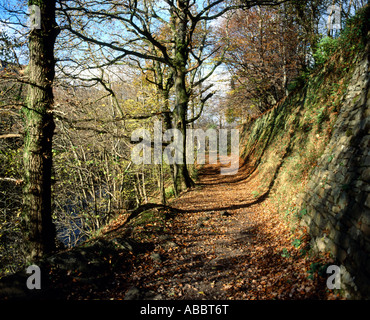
(313, 151)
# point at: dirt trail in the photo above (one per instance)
(228, 243)
(223, 241)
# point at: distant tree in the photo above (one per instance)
(264, 55)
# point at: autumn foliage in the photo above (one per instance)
(265, 52)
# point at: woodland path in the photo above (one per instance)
(222, 241)
(227, 243)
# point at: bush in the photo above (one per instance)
(326, 47)
(354, 35)
(352, 38)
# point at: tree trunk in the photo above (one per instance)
(39, 130)
(161, 184)
(144, 189)
(182, 177)
(284, 28)
(167, 126)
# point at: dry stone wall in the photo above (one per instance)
(337, 201)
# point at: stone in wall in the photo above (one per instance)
(338, 198)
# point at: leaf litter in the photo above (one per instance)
(216, 241)
(230, 244)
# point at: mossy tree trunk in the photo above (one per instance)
(182, 47)
(182, 177)
(39, 130)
